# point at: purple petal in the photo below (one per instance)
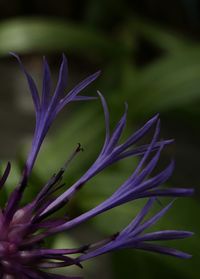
(31, 83)
(137, 178)
(46, 85)
(153, 220)
(162, 250)
(138, 134)
(153, 182)
(165, 235)
(62, 83)
(117, 132)
(76, 90)
(142, 149)
(5, 175)
(138, 219)
(115, 200)
(107, 120)
(173, 192)
(84, 98)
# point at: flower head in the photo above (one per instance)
(23, 230)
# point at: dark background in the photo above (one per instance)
(149, 54)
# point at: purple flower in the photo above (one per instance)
(23, 230)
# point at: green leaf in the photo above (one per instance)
(25, 35)
(170, 82)
(167, 40)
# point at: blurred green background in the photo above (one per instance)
(149, 54)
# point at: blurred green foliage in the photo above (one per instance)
(168, 83)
